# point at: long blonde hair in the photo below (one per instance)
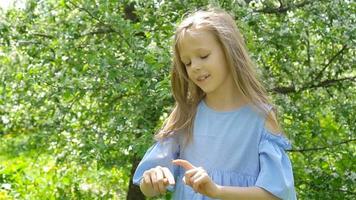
(187, 95)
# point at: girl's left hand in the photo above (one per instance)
(198, 179)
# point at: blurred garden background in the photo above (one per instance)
(84, 85)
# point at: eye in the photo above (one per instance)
(186, 63)
(204, 57)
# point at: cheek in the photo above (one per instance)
(189, 74)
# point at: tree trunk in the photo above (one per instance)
(134, 192)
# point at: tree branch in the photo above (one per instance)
(315, 82)
(325, 83)
(322, 148)
(108, 27)
(318, 76)
(318, 188)
(282, 9)
(87, 11)
(43, 35)
(308, 48)
(280, 3)
(330, 82)
(99, 31)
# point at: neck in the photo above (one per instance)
(225, 100)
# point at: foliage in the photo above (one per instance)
(26, 174)
(85, 84)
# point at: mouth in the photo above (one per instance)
(203, 77)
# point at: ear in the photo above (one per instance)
(271, 123)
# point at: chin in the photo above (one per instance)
(206, 91)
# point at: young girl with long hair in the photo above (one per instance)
(222, 140)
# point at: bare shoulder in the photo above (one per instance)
(271, 123)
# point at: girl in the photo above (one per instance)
(222, 139)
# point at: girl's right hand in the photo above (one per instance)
(158, 179)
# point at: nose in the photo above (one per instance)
(195, 64)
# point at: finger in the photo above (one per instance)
(154, 181)
(187, 180)
(189, 174)
(168, 175)
(196, 175)
(194, 178)
(193, 171)
(147, 179)
(200, 181)
(160, 180)
(159, 174)
(183, 163)
(165, 181)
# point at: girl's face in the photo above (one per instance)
(205, 62)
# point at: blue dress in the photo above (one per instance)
(235, 149)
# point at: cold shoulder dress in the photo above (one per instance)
(235, 149)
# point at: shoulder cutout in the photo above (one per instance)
(271, 123)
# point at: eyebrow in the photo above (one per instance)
(198, 49)
(202, 49)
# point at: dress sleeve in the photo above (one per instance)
(160, 154)
(276, 175)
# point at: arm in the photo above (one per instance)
(155, 171)
(229, 192)
(199, 180)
